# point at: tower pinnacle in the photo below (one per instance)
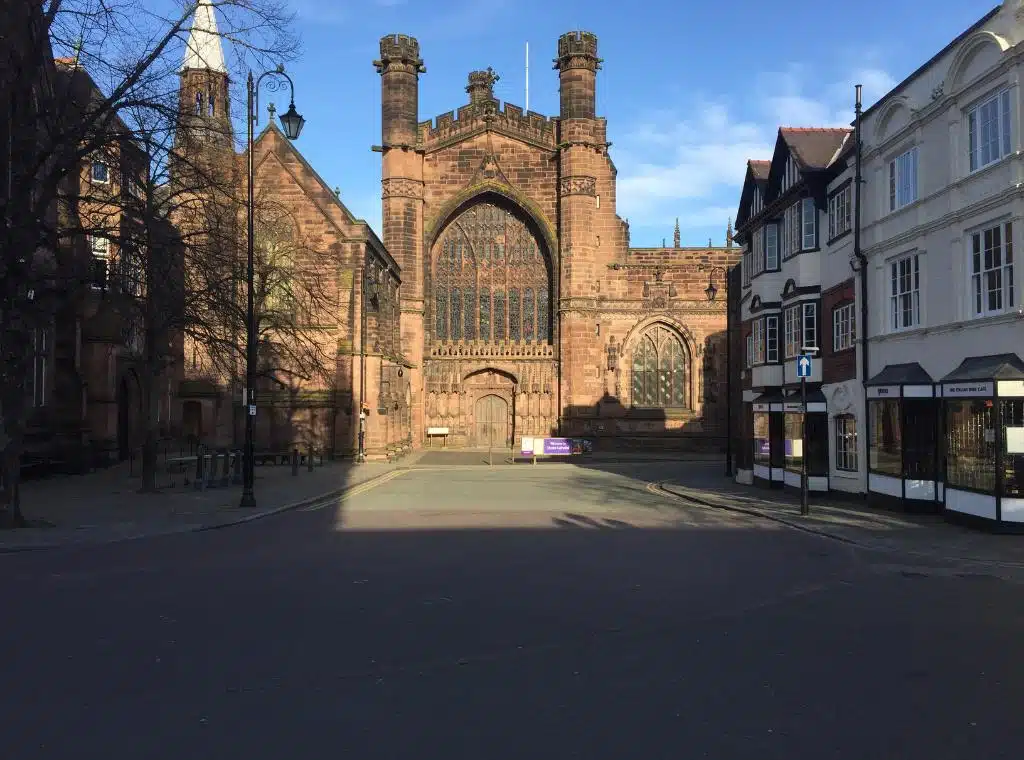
(675, 235)
(204, 49)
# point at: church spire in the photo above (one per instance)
(675, 235)
(728, 234)
(204, 49)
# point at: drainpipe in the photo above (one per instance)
(862, 260)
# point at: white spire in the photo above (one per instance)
(204, 50)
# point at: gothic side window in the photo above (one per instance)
(199, 104)
(659, 368)
(490, 264)
(211, 102)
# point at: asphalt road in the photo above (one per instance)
(507, 612)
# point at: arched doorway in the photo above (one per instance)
(491, 422)
(192, 420)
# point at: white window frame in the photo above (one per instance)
(903, 179)
(800, 323)
(750, 350)
(840, 218)
(747, 263)
(771, 247)
(989, 120)
(758, 336)
(845, 442)
(990, 253)
(758, 257)
(99, 247)
(92, 173)
(808, 224)
(904, 292)
(771, 337)
(791, 219)
(844, 327)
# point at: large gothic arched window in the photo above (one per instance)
(490, 279)
(660, 363)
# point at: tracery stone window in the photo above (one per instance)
(660, 370)
(491, 279)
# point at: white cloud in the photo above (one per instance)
(692, 166)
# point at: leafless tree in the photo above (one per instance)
(132, 51)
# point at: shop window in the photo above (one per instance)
(971, 444)
(885, 442)
(762, 439)
(1011, 412)
(794, 438)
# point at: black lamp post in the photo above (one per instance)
(292, 123)
(370, 286)
(711, 292)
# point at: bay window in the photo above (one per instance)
(844, 329)
(839, 213)
(771, 246)
(800, 324)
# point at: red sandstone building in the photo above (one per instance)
(504, 299)
(523, 308)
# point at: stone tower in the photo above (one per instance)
(203, 98)
(587, 232)
(399, 67)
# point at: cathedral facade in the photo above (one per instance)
(523, 309)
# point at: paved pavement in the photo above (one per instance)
(851, 521)
(106, 506)
(501, 612)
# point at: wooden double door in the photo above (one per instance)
(491, 422)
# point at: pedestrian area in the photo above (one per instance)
(106, 505)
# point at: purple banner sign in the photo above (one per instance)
(557, 446)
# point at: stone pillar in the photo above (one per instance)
(402, 198)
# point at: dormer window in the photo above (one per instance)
(100, 173)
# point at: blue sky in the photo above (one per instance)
(690, 90)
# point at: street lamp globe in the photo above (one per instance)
(292, 122)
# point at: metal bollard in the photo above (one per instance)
(200, 462)
(295, 461)
(225, 478)
(309, 460)
(237, 480)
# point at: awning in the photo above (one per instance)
(816, 401)
(911, 373)
(982, 368)
(774, 396)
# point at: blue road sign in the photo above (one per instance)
(803, 366)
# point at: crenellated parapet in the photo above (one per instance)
(400, 50)
(504, 117)
(577, 50)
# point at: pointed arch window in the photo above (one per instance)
(211, 103)
(490, 279)
(199, 104)
(660, 370)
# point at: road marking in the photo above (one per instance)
(355, 491)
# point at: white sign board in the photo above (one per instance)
(527, 445)
(884, 391)
(1015, 440)
(954, 390)
(437, 431)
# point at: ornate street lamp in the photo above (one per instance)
(711, 292)
(292, 123)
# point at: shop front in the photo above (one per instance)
(769, 440)
(903, 435)
(812, 442)
(983, 402)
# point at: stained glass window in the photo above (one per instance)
(499, 315)
(514, 324)
(456, 320)
(485, 313)
(660, 377)
(490, 279)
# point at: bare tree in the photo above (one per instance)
(132, 52)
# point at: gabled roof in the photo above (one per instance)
(326, 193)
(756, 177)
(813, 147)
